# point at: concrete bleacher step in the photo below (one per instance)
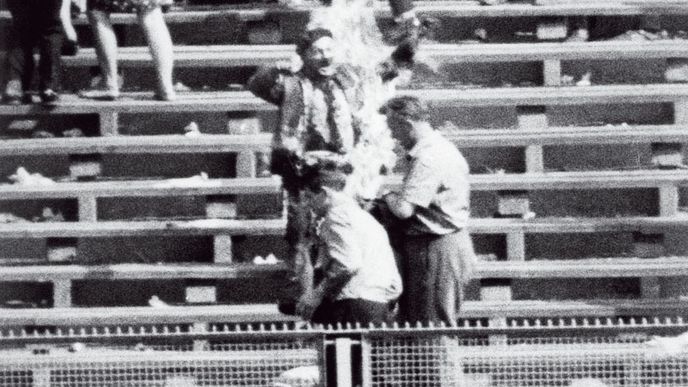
(572, 308)
(143, 102)
(131, 315)
(585, 268)
(253, 148)
(136, 188)
(206, 143)
(466, 138)
(577, 225)
(551, 96)
(250, 313)
(143, 228)
(569, 135)
(255, 55)
(541, 268)
(224, 230)
(133, 271)
(526, 98)
(91, 191)
(443, 8)
(62, 277)
(220, 194)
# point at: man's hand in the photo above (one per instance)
(401, 208)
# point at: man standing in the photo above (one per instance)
(319, 106)
(35, 24)
(432, 209)
(357, 280)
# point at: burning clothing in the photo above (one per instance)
(315, 114)
(320, 107)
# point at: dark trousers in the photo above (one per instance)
(353, 311)
(35, 23)
(400, 6)
(435, 269)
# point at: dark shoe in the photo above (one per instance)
(27, 99)
(70, 47)
(165, 96)
(49, 96)
(12, 99)
(13, 93)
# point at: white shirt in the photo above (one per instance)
(353, 238)
(437, 182)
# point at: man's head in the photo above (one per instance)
(316, 49)
(324, 174)
(405, 114)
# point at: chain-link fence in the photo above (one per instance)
(622, 355)
(164, 359)
(618, 354)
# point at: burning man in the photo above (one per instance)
(319, 108)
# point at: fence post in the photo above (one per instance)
(342, 348)
(366, 366)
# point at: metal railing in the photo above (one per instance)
(610, 352)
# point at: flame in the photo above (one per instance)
(360, 44)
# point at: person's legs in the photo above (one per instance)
(160, 43)
(413, 268)
(298, 257)
(363, 312)
(50, 48)
(401, 8)
(451, 260)
(20, 61)
(106, 50)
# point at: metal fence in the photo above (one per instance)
(162, 359)
(597, 354)
(585, 361)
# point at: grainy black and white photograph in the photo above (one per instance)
(343, 193)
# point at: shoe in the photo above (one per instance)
(168, 96)
(13, 94)
(70, 47)
(100, 94)
(11, 99)
(49, 96)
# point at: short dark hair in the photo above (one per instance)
(309, 37)
(406, 106)
(328, 174)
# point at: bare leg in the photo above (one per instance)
(106, 49)
(160, 44)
